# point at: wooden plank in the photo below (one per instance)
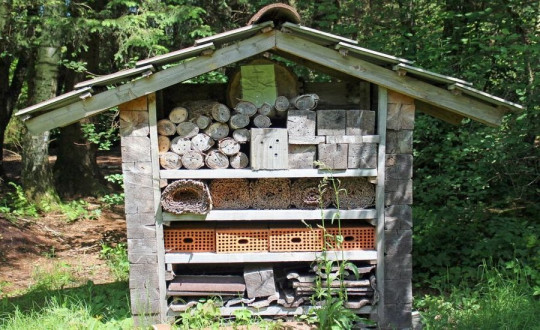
(203, 283)
(514, 107)
(269, 149)
(235, 34)
(119, 76)
(306, 139)
(371, 55)
(256, 215)
(317, 36)
(379, 198)
(414, 88)
(209, 258)
(138, 104)
(154, 151)
(437, 112)
(160, 80)
(55, 102)
(176, 56)
(272, 310)
(249, 174)
(432, 76)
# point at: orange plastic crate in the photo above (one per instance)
(354, 238)
(245, 240)
(295, 239)
(189, 240)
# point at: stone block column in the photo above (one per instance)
(140, 211)
(398, 213)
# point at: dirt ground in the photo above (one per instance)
(31, 244)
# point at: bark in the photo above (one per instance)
(37, 179)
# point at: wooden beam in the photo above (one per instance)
(178, 55)
(414, 88)
(317, 36)
(160, 80)
(371, 55)
(514, 107)
(414, 71)
(234, 35)
(59, 101)
(112, 78)
(449, 117)
(382, 112)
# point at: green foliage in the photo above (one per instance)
(88, 306)
(104, 131)
(117, 260)
(501, 300)
(15, 204)
(205, 314)
(53, 278)
(113, 199)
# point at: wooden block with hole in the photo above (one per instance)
(333, 155)
(269, 149)
(331, 122)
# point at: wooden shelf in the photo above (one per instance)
(216, 258)
(255, 215)
(272, 310)
(250, 174)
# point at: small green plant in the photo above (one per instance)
(77, 210)
(117, 260)
(15, 204)
(204, 315)
(56, 277)
(111, 200)
(50, 253)
(104, 132)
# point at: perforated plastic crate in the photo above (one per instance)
(295, 239)
(354, 238)
(244, 240)
(189, 240)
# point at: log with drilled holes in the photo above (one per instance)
(305, 102)
(186, 196)
(262, 121)
(164, 143)
(239, 121)
(216, 159)
(181, 145)
(359, 193)
(202, 121)
(229, 146)
(242, 135)
(217, 131)
(170, 161)
(193, 160)
(166, 127)
(221, 113)
(246, 108)
(187, 129)
(178, 115)
(230, 194)
(202, 142)
(307, 193)
(240, 160)
(271, 193)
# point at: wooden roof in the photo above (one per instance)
(444, 97)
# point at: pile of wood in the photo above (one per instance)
(186, 196)
(206, 133)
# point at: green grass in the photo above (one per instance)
(500, 300)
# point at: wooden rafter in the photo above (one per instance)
(160, 80)
(414, 88)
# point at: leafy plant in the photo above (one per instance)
(117, 260)
(15, 204)
(113, 199)
(205, 314)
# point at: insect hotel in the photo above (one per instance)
(223, 192)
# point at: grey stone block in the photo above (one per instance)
(398, 217)
(362, 155)
(142, 246)
(398, 292)
(144, 301)
(141, 231)
(398, 267)
(399, 166)
(398, 242)
(398, 192)
(333, 155)
(143, 276)
(137, 258)
(259, 281)
(397, 316)
(140, 219)
(399, 142)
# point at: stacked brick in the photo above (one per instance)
(398, 213)
(333, 137)
(140, 211)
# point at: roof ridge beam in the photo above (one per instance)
(115, 77)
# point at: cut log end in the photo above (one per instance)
(178, 115)
(240, 160)
(216, 159)
(193, 160)
(187, 129)
(229, 146)
(166, 127)
(170, 161)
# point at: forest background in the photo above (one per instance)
(477, 197)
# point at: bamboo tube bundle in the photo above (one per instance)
(271, 193)
(305, 194)
(186, 196)
(170, 161)
(230, 194)
(359, 193)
